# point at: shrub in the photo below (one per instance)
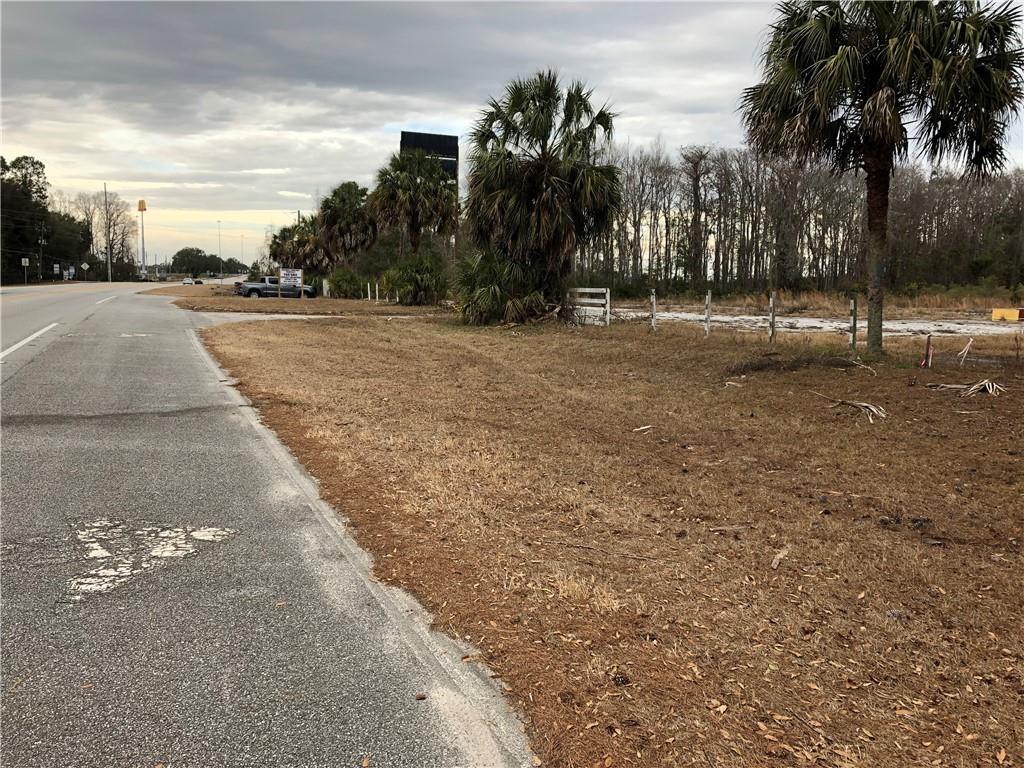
(419, 280)
(492, 289)
(345, 284)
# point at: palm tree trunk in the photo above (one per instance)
(878, 165)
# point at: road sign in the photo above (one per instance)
(56, 269)
(24, 261)
(85, 267)
(291, 278)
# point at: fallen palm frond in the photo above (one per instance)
(869, 410)
(970, 390)
(962, 354)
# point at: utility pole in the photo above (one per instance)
(106, 215)
(142, 218)
(220, 254)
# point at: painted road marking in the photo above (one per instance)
(25, 341)
(124, 553)
(106, 299)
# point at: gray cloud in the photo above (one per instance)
(224, 110)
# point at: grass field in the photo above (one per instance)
(669, 548)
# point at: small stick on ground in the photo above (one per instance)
(598, 549)
(869, 410)
(859, 364)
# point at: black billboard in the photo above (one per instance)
(445, 148)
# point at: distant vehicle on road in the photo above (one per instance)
(187, 281)
(267, 287)
(197, 281)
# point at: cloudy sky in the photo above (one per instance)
(243, 112)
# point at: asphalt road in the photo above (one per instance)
(172, 590)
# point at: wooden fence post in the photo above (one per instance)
(707, 315)
(607, 307)
(376, 292)
(654, 310)
(853, 322)
(771, 318)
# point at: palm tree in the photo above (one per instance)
(345, 225)
(843, 79)
(414, 192)
(297, 245)
(536, 189)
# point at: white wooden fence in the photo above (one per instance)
(593, 306)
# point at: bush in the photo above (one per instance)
(345, 284)
(419, 280)
(491, 289)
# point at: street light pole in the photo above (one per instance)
(142, 217)
(106, 217)
(220, 254)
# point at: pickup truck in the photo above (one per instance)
(267, 287)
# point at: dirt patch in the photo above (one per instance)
(669, 569)
(317, 306)
(790, 361)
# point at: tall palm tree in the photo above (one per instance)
(345, 224)
(414, 192)
(537, 191)
(843, 80)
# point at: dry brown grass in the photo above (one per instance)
(620, 580)
(317, 306)
(824, 304)
(205, 290)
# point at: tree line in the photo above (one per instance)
(734, 220)
(52, 229)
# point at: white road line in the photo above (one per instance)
(23, 342)
(106, 299)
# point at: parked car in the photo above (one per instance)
(267, 287)
(197, 281)
(187, 281)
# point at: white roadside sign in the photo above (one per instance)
(291, 278)
(24, 261)
(85, 267)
